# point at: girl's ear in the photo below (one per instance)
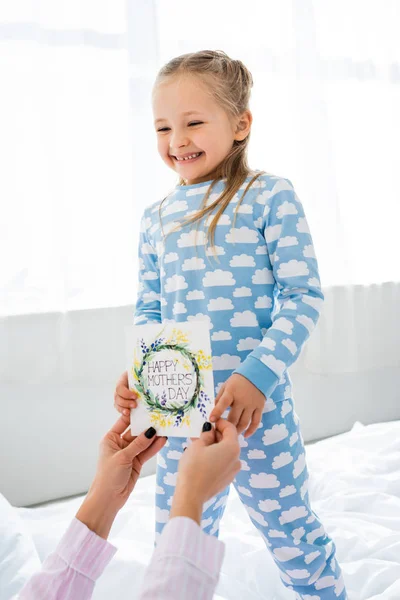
(243, 125)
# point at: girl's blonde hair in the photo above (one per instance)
(231, 83)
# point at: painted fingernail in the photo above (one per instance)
(151, 432)
(207, 426)
(132, 405)
(126, 411)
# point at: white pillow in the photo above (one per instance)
(18, 557)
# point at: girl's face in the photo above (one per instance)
(194, 133)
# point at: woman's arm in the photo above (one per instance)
(70, 572)
(187, 562)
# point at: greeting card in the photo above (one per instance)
(170, 366)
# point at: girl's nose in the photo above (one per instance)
(178, 140)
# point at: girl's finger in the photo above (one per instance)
(123, 381)
(221, 391)
(245, 419)
(124, 403)
(125, 392)
(235, 415)
(255, 421)
(225, 401)
(124, 411)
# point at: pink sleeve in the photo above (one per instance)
(185, 564)
(71, 571)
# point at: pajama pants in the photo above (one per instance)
(272, 485)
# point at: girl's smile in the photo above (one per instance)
(185, 159)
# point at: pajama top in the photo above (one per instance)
(186, 564)
(260, 296)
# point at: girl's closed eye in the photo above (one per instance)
(192, 124)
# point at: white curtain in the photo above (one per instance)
(77, 146)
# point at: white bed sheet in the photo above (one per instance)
(354, 487)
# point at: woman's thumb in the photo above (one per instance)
(140, 443)
(207, 436)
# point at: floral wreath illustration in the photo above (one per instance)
(177, 342)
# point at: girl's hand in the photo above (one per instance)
(246, 402)
(124, 398)
(207, 466)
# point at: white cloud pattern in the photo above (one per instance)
(242, 235)
(218, 278)
(286, 208)
(193, 264)
(232, 292)
(242, 292)
(264, 481)
(219, 336)
(242, 260)
(276, 434)
(220, 304)
(244, 319)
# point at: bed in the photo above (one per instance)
(354, 487)
(347, 395)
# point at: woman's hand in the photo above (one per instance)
(246, 402)
(207, 466)
(124, 398)
(118, 469)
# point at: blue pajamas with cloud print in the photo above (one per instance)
(273, 488)
(260, 298)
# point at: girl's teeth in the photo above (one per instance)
(191, 156)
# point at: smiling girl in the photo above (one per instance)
(231, 246)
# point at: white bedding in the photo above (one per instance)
(354, 487)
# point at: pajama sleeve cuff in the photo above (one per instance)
(259, 375)
(183, 537)
(84, 551)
